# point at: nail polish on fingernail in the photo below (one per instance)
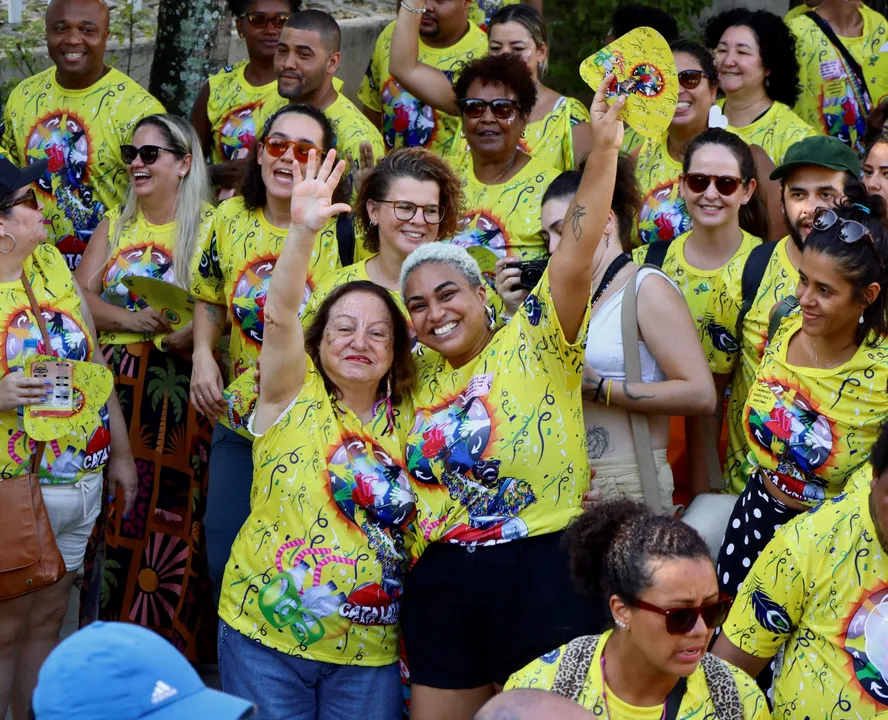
(47, 383)
(44, 399)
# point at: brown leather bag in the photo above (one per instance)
(29, 557)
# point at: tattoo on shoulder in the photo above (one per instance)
(579, 212)
(597, 442)
(634, 396)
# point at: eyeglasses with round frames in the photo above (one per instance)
(405, 211)
(680, 621)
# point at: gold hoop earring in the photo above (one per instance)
(6, 252)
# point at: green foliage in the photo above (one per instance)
(19, 50)
(128, 25)
(577, 29)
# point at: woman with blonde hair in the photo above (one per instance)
(154, 566)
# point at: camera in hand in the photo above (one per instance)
(531, 271)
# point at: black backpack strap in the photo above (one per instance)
(753, 271)
(656, 253)
(852, 64)
(722, 688)
(786, 306)
(574, 666)
(345, 238)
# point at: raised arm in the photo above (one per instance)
(571, 267)
(283, 343)
(423, 81)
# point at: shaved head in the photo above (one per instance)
(532, 705)
(58, 9)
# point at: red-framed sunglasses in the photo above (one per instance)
(680, 621)
(278, 146)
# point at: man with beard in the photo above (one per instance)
(307, 58)
(817, 172)
(77, 114)
(817, 598)
(448, 41)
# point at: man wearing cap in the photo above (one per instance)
(77, 114)
(817, 172)
(118, 671)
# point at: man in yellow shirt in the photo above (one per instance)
(307, 58)
(447, 41)
(817, 598)
(77, 114)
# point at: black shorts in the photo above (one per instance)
(474, 617)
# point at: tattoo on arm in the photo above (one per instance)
(634, 397)
(215, 316)
(579, 212)
(597, 442)
(590, 384)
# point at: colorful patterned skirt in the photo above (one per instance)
(150, 567)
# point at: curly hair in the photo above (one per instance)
(402, 370)
(613, 547)
(777, 48)
(625, 203)
(855, 260)
(239, 8)
(252, 184)
(508, 70)
(418, 164)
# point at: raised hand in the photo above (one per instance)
(607, 126)
(311, 204)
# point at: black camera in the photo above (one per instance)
(531, 271)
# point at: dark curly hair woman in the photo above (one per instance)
(759, 76)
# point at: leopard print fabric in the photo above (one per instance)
(577, 659)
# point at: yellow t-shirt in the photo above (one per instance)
(81, 132)
(317, 569)
(663, 215)
(809, 429)
(497, 449)
(232, 109)
(406, 122)
(233, 268)
(67, 459)
(695, 284)
(820, 587)
(144, 250)
(695, 703)
(726, 354)
(632, 140)
(829, 101)
(774, 131)
(549, 139)
(481, 11)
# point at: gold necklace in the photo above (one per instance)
(511, 165)
(817, 359)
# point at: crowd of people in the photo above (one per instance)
(466, 400)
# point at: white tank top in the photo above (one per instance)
(604, 343)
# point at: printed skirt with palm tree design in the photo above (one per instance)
(150, 567)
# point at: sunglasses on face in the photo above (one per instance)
(502, 108)
(725, 185)
(689, 79)
(148, 153)
(680, 621)
(405, 211)
(260, 20)
(29, 199)
(278, 146)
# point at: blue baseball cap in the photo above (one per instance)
(119, 671)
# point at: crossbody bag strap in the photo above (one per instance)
(852, 64)
(37, 457)
(722, 688)
(574, 666)
(641, 432)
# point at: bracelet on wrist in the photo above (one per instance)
(598, 390)
(410, 8)
(610, 384)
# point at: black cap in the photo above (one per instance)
(14, 178)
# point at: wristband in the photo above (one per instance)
(410, 8)
(610, 384)
(598, 390)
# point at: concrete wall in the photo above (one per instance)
(358, 40)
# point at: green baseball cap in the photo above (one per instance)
(819, 151)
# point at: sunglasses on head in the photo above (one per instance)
(260, 20)
(502, 108)
(29, 199)
(680, 621)
(148, 153)
(850, 231)
(278, 146)
(725, 185)
(689, 79)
